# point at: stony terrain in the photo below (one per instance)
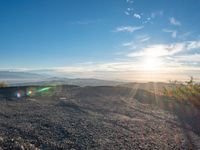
(95, 118)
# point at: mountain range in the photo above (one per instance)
(26, 78)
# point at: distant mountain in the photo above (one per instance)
(67, 81)
(26, 78)
(18, 75)
(11, 77)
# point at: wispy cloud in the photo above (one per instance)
(193, 44)
(129, 70)
(153, 15)
(128, 28)
(157, 14)
(159, 50)
(144, 38)
(138, 16)
(85, 22)
(192, 58)
(127, 13)
(137, 42)
(173, 32)
(176, 67)
(148, 20)
(129, 1)
(129, 9)
(173, 21)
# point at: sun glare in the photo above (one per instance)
(152, 59)
(151, 63)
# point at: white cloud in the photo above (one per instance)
(144, 38)
(156, 51)
(173, 32)
(130, 45)
(188, 58)
(129, 69)
(129, 9)
(128, 28)
(129, 1)
(148, 20)
(86, 22)
(127, 44)
(159, 50)
(127, 13)
(173, 21)
(137, 42)
(193, 44)
(138, 16)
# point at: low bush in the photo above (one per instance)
(184, 91)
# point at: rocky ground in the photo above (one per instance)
(92, 119)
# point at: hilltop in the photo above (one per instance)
(101, 117)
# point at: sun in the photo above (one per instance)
(153, 58)
(151, 63)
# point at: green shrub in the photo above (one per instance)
(187, 91)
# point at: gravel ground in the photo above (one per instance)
(92, 120)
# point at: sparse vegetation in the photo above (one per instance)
(187, 91)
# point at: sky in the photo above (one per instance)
(133, 40)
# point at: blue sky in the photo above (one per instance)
(112, 39)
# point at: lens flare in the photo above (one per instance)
(29, 92)
(18, 94)
(44, 89)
